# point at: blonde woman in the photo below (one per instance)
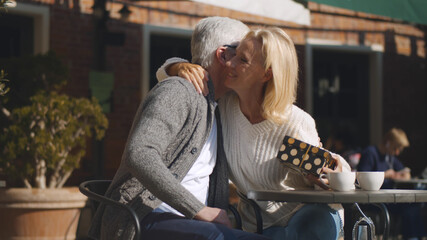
(256, 115)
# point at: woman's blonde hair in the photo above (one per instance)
(279, 56)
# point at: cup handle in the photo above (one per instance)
(322, 183)
(356, 184)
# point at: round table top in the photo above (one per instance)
(412, 180)
(329, 196)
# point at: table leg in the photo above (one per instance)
(369, 222)
(364, 228)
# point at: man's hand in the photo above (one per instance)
(215, 215)
(404, 174)
(193, 73)
(389, 174)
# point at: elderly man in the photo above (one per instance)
(173, 171)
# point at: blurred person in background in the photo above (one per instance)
(342, 142)
(384, 158)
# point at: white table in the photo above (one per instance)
(412, 183)
(329, 196)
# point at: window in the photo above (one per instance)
(28, 26)
(159, 44)
(341, 94)
(17, 36)
(164, 47)
(343, 90)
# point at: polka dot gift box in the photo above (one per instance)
(303, 156)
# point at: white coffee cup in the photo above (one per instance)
(340, 181)
(370, 180)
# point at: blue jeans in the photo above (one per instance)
(312, 221)
(166, 225)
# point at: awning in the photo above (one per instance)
(285, 10)
(414, 11)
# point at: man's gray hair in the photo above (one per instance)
(211, 33)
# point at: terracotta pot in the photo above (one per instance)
(40, 214)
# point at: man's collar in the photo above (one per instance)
(211, 88)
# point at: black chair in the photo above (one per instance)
(257, 211)
(95, 191)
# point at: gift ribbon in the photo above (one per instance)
(303, 157)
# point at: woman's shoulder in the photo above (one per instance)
(299, 124)
(297, 114)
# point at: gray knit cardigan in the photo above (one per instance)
(167, 135)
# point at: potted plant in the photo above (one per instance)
(42, 142)
(4, 4)
(3, 88)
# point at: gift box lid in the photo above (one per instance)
(304, 157)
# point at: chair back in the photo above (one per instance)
(257, 211)
(93, 188)
(95, 191)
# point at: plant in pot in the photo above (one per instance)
(4, 4)
(42, 142)
(3, 88)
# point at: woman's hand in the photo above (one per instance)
(325, 170)
(338, 165)
(194, 73)
(316, 181)
(215, 215)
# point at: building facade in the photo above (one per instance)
(360, 74)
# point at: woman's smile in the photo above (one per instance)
(245, 69)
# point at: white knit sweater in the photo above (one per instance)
(251, 151)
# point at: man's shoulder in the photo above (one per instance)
(173, 93)
(176, 87)
(370, 151)
(176, 82)
(371, 148)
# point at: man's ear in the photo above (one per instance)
(268, 75)
(221, 56)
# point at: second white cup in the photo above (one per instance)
(370, 180)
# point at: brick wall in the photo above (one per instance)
(72, 34)
(404, 91)
(72, 38)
